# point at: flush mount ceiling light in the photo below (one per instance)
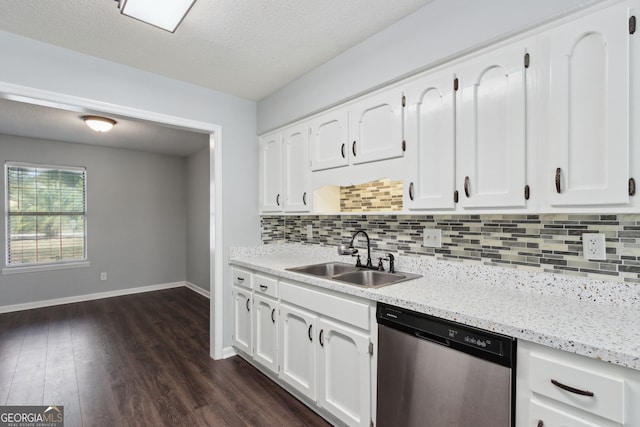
(165, 14)
(99, 124)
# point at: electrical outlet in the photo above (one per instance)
(593, 246)
(103, 276)
(432, 238)
(309, 232)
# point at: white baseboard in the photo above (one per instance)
(228, 352)
(198, 289)
(90, 297)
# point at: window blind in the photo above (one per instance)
(46, 214)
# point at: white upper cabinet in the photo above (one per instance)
(296, 170)
(492, 118)
(588, 110)
(430, 139)
(271, 199)
(376, 127)
(329, 134)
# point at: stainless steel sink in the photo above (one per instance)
(327, 269)
(352, 275)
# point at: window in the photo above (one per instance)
(45, 214)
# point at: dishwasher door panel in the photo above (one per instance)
(425, 384)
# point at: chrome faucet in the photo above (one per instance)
(350, 250)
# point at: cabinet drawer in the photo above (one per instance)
(265, 285)
(548, 416)
(241, 278)
(608, 390)
(340, 308)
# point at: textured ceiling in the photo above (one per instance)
(247, 48)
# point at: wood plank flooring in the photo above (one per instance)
(137, 360)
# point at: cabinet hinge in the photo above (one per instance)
(455, 84)
(527, 192)
(404, 101)
(404, 146)
(527, 60)
(371, 348)
(632, 25)
(455, 196)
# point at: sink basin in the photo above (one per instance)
(370, 278)
(352, 275)
(327, 269)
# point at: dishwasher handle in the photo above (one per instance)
(433, 338)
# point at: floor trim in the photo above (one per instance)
(228, 352)
(198, 289)
(90, 297)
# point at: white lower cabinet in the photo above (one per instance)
(344, 372)
(242, 319)
(265, 336)
(317, 343)
(298, 349)
(557, 388)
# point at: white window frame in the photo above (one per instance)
(49, 265)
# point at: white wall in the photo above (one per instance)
(32, 64)
(136, 220)
(198, 263)
(439, 31)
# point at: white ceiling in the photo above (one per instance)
(42, 122)
(247, 48)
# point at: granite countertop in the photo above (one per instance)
(591, 318)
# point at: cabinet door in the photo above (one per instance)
(542, 415)
(492, 130)
(589, 111)
(271, 173)
(296, 170)
(297, 352)
(376, 127)
(430, 137)
(242, 319)
(344, 373)
(265, 332)
(330, 140)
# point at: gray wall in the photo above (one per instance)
(439, 31)
(198, 218)
(136, 220)
(32, 64)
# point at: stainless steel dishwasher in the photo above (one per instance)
(436, 373)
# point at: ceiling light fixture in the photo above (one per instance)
(99, 124)
(165, 14)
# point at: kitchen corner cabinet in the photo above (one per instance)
(376, 127)
(430, 140)
(271, 199)
(589, 110)
(558, 388)
(492, 128)
(284, 169)
(329, 140)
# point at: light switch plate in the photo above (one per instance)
(432, 238)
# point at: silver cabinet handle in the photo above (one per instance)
(558, 177)
(466, 186)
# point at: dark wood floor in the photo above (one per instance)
(136, 360)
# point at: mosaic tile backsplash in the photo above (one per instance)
(381, 195)
(544, 243)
